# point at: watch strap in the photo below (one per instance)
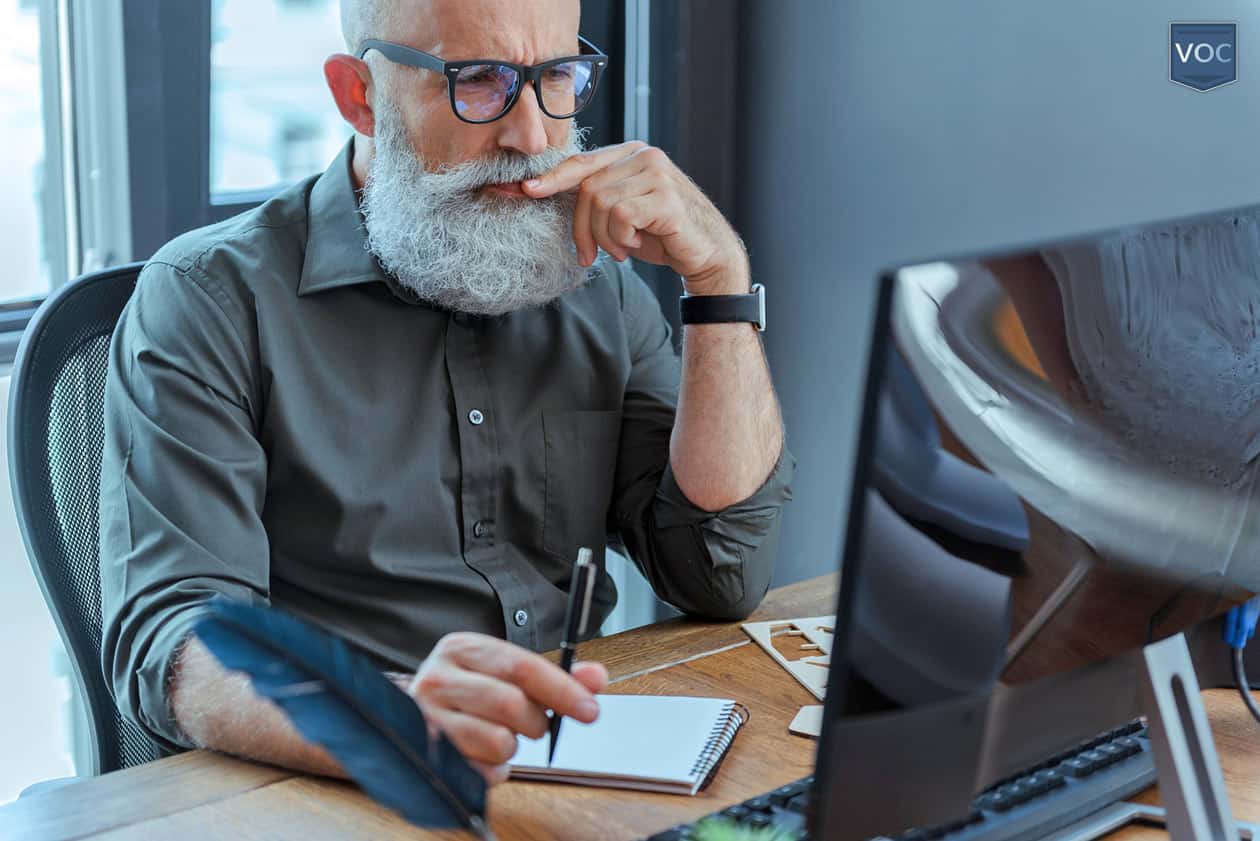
(725, 309)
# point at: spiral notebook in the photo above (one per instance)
(646, 742)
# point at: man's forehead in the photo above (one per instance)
(514, 30)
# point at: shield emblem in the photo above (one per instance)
(1203, 55)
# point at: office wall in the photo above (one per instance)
(878, 131)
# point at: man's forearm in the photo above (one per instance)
(728, 432)
(218, 710)
(633, 201)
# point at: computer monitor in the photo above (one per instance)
(1056, 466)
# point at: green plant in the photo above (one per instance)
(715, 829)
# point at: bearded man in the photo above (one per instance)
(397, 398)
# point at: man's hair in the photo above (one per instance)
(362, 19)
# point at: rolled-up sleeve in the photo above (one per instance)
(714, 565)
(183, 479)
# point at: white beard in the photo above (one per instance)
(457, 249)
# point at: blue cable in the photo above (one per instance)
(1240, 623)
(1240, 626)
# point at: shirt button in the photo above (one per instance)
(480, 529)
(521, 618)
(476, 418)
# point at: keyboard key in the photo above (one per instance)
(989, 802)
(1129, 745)
(1017, 792)
(1097, 758)
(799, 803)
(736, 813)
(783, 794)
(1112, 750)
(758, 820)
(1047, 780)
(1078, 767)
(759, 804)
(1002, 803)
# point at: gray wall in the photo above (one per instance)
(881, 131)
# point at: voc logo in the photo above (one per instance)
(1203, 56)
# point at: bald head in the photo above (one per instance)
(362, 19)
(424, 20)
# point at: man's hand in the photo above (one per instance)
(634, 202)
(481, 691)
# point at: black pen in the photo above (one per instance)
(576, 615)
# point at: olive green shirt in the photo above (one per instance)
(287, 424)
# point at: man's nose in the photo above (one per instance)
(524, 128)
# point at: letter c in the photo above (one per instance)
(1220, 57)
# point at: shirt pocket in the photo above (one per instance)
(580, 454)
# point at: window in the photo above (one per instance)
(272, 118)
(36, 706)
(25, 177)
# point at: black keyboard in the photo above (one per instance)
(1049, 796)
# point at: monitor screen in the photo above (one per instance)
(1057, 466)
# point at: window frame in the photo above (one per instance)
(103, 187)
(692, 71)
(56, 207)
(167, 49)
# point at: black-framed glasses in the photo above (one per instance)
(483, 90)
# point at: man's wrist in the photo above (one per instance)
(719, 282)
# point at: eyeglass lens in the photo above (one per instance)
(483, 91)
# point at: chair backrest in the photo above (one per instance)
(56, 433)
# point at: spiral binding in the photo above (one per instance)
(734, 716)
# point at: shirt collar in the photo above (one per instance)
(336, 239)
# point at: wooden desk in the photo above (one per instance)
(200, 795)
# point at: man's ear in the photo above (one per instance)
(349, 79)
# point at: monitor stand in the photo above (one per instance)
(1191, 786)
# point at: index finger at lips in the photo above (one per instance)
(570, 174)
(545, 683)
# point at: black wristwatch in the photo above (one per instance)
(725, 309)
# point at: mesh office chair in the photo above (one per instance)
(56, 433)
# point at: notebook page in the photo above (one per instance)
(649, 737)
